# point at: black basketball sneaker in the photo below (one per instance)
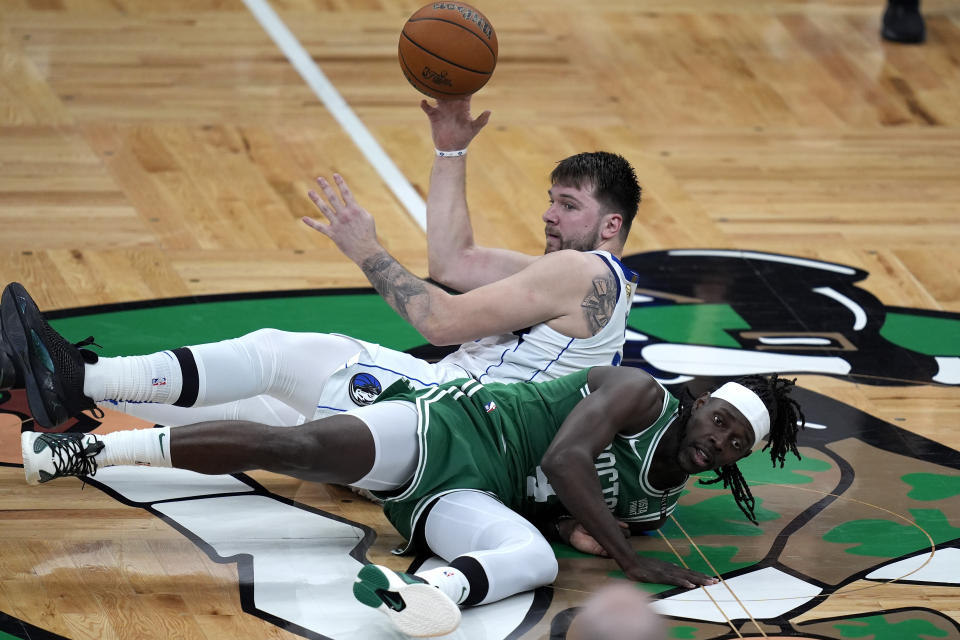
(50, 367)
(10, 377)
(903, 22)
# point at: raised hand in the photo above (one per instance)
(349, 225)
(451, 124)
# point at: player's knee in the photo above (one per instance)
(531, 556)
(264, 337)
(536, 552)
(296, 446)
(536, 560)
(545, 564)
(260, 346)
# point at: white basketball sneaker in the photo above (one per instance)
(54, 455)
(414, 607)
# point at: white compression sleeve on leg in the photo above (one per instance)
(291, 367)
(513, 555)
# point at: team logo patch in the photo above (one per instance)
(364, 389)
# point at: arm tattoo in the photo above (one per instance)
(598, 305)
(402, 290)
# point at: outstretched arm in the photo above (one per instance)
(556, 286)
(622, 400)
(454, 258)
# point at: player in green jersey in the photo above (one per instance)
(464, 467)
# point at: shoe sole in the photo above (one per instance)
(426, 612)
(893, 37)
(14, 332)
(27, 438)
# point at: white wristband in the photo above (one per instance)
(451, 154)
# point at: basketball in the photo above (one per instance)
(447, 50)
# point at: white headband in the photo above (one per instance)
(750, 405)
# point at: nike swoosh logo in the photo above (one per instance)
(161, 445)
(392, 600)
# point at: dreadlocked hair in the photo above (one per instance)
(786, 420)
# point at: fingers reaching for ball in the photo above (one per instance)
(451, 125)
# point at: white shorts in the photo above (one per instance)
(374, 368)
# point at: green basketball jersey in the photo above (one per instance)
(623, 469)
(491, 438)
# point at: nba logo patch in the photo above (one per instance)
(364, 389)
(490, 406)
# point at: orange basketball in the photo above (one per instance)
(447, 50)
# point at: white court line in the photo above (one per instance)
(339, 108)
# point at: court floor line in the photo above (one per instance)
(719, 576)
(684, 564)
(339, 109)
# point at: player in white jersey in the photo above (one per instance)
(550, 314)
(542, 353)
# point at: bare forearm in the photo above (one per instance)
(579, 490)
(449, 232)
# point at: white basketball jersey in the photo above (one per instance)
(540, 353)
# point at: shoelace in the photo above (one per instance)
(88, 356)
(72, 458)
